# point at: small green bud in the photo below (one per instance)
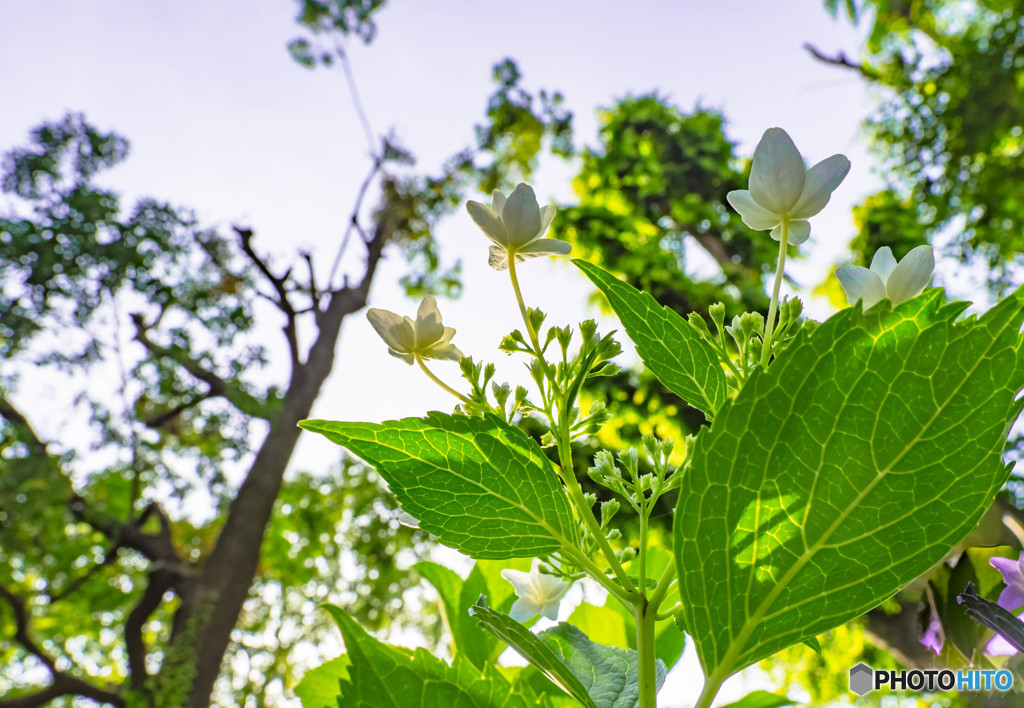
(604, 465)
(608, 510)
(628, 458)
(588, 328)
(717, 313)
(536, 318)
(699, 324)
(501, 393)
(751, 322)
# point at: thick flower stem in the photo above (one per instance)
(711, 687)
(646, 657)
(565, 456)
(780, 267)
(586, 513)
(439, 382)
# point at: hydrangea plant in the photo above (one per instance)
(842, 460)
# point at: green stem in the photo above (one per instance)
(779, 268)
(565, 457)
(711, 687)
(646, 656)
(586, 513)
(439, 382)
(534, 339)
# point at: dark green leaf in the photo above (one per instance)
(988, 613)
(760, 699)
(383, 676)
(479, 484)
(540, 655)
(669, 345)
(843, 472)
(608, 673)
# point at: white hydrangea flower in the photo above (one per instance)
(537, 593)
(426, 337)
(782, 188)
(886, 278)
(516, 224)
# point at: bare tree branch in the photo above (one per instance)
(279, 284)
(353, 219)
(36, 446)
(63, 684)
(843, 61)
(218, 387)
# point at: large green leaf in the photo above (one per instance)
(383, 676)
(965, 638)
(844, 471)
(541, 656)
(760, 699)
(669, 345)
(320, 687)
(457, 596)
(479, 484)
(608, 673)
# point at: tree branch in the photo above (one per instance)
(841, 60)
(279, 284)
(218, 387)
(63, 684)
(15, 417)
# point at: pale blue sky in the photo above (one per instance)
(222, 120)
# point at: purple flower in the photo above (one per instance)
(1010, 599)
(933, 638)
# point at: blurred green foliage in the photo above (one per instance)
(949, 127)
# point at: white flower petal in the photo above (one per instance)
(523, 610)
(754, 215)
(404, 356)
(521, 216)
(911, 276)
(396, 331)
(497, 257)
(777, 172)
(428, 322)
(547, 213)
(799, 231)
(488, 221)
(819, 183)
(860, 284)
(883, 263)
(443, 350)
(545, 247)
(497, 202)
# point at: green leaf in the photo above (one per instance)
(844, 471)
(760, 699)
(988, 613)
(383, 676)
(814, 645)
(321, 687)
(609, 674)
(457, 596)
(480, 485)
(669, 345)
(967, 636)
(539, 654)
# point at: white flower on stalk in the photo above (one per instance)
(783, 189)
(426, 338)
(516, 225)
(886, 278)
(537, 593)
